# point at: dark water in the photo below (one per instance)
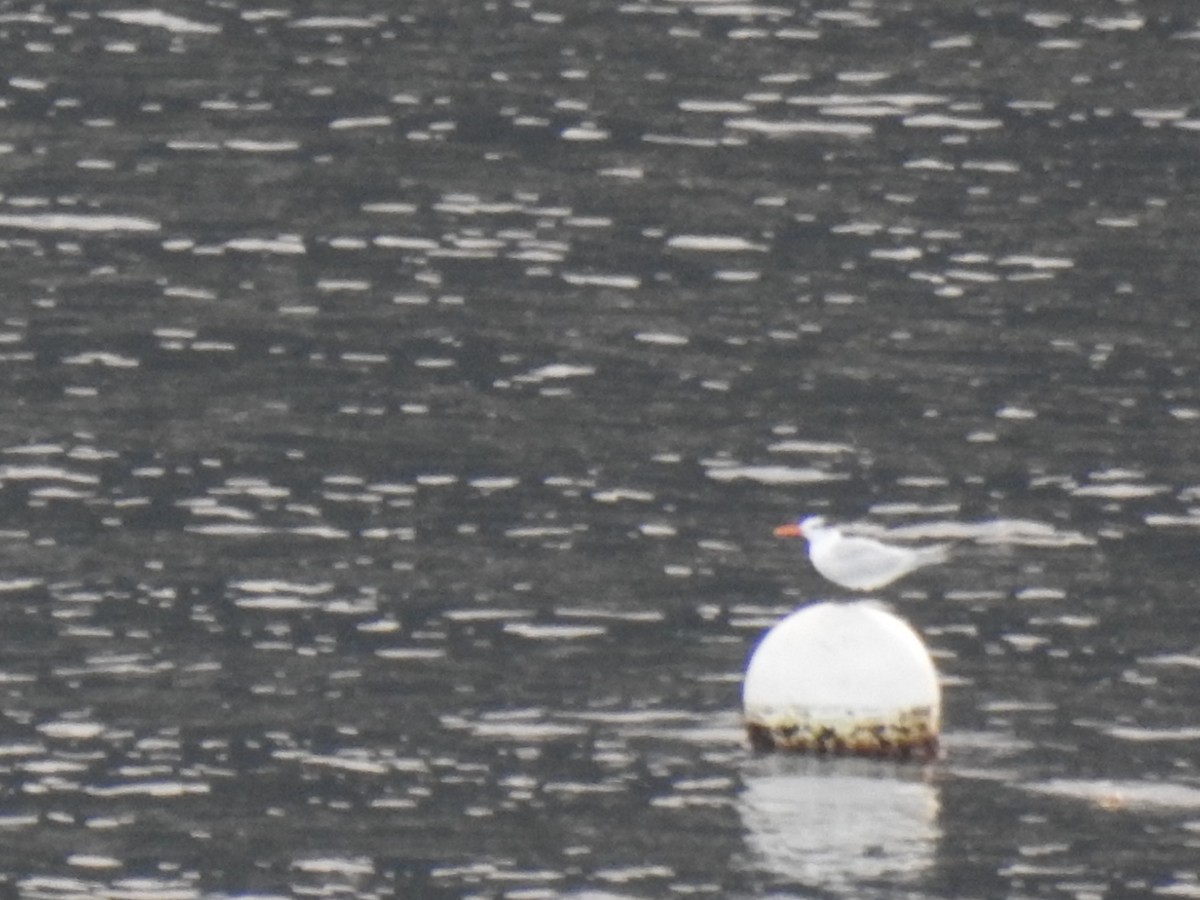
(398, 399)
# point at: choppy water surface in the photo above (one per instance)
(398, 400)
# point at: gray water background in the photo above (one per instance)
(398, 399)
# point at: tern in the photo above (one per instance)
(859, 563)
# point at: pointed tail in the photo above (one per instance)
(936, 553)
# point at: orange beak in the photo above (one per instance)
(792, 530)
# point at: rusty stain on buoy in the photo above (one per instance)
(912, 735)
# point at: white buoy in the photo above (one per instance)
(846, 678)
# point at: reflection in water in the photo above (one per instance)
(837, 824)
(1115, 795)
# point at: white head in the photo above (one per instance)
(811, 524)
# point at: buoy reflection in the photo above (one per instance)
(839, 823)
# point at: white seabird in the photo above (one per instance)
(859, 563)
